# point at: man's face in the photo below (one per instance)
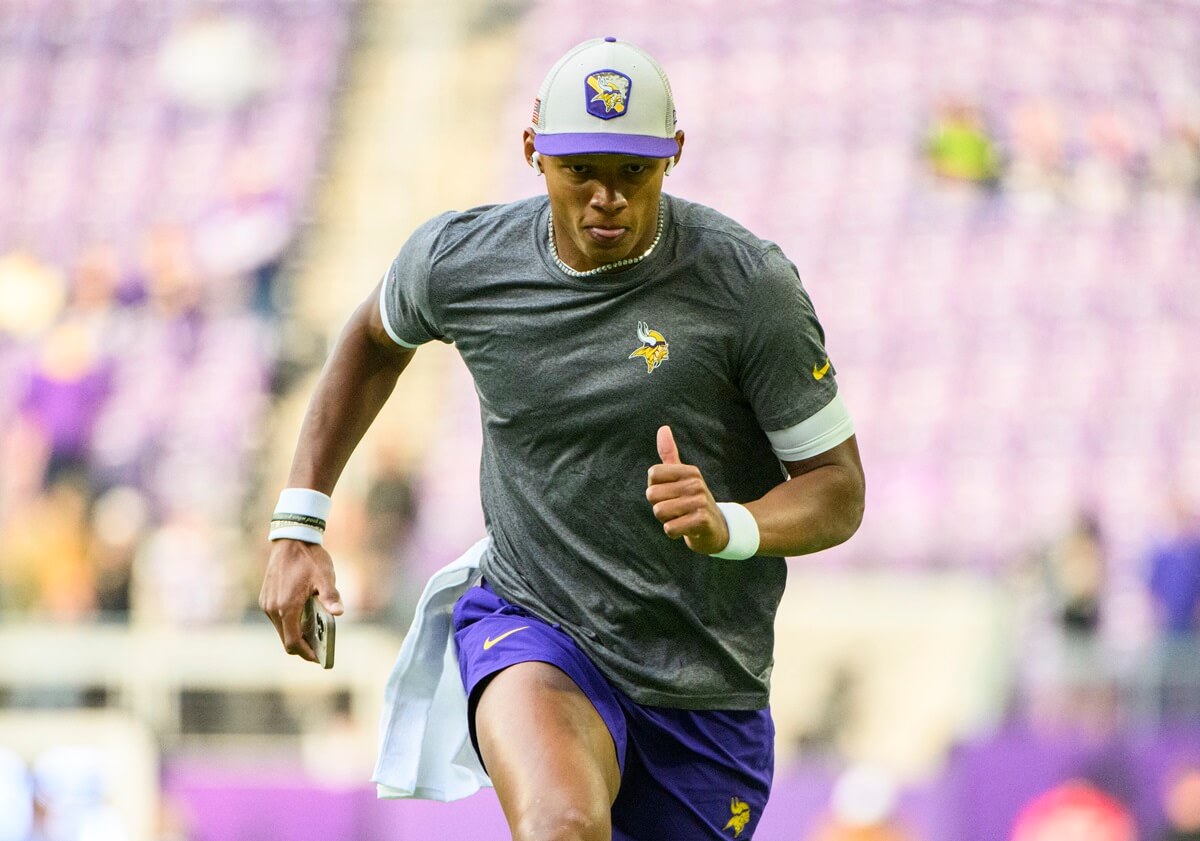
(605, 207)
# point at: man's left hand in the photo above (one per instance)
(682, 501)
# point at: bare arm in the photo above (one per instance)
(821, 505)
(357, 380)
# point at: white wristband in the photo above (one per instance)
(743, 532)
(304, 501)
(300, 514)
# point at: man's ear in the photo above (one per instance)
(531, 156)
(672, 161)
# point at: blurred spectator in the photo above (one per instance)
(1077, 577)
(24, 452)
(1174, 573)
(862, 808)
(390, 511)
(66, 390)
(169, 274)
(1103, 179)
(182, 575)
(217, 60)
(43, 552)
(33, 294)
(119, 522)
(243, 235)
(95, 282)
(1174, 585)
(1075, 811)
(162, 337)
(959, 147)
(1072, 679)
(98, 300)
(1035, 170)
(1175, 164)
(1181, 805)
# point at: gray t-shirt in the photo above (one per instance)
(712, 334)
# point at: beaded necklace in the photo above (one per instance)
(607, 267)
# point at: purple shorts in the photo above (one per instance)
(685, 774)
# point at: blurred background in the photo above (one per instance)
(994, 205)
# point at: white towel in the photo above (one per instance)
(425, 749)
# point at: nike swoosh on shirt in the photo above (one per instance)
(489, 642)
(819, 373)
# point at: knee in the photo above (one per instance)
(546, 823)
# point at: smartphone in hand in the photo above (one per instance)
(317, 628)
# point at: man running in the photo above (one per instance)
(661, 427)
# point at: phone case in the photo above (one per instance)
(319, 631)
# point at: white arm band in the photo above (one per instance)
(383, 314)
(743, 532)
(300, 514)
(822, 431)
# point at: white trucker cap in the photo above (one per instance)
(605, 96)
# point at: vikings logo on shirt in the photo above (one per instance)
(653, 349)
(611, 93)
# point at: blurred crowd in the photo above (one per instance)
(141, 346)
(134, 395)
(1101, 652)
(1042, 154)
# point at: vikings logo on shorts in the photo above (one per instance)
(653, 349)
(611, 91)
(740, 811)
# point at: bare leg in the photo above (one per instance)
(549, 754)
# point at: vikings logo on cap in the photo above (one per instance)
(607, 93)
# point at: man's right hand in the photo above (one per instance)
(295, 571)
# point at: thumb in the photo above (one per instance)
(667, 450)
(330, 597)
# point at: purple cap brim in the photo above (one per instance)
(598, 143)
